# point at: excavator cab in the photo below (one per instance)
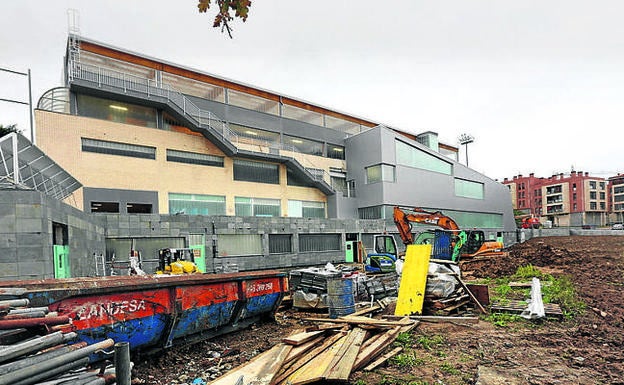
(385, 255)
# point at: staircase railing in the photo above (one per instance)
(201, 118)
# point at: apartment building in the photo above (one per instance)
(575, 199)
(616, 200)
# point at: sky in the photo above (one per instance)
(538, 84)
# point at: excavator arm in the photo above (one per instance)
(404, 222)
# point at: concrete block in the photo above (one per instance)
(7, 240)
(33, 253)
(26, 225)
(31, 270)
(8, 254)
(8, 271)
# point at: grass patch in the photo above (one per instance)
(449, 369)
(503, 320)
(429, 342)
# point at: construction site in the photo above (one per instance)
(165, 225)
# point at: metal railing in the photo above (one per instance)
(201, 118)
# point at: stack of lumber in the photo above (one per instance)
(328, 350)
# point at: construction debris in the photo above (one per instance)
(36, 347)
(326, 354)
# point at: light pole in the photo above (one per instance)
(29, 103)
(464, 139)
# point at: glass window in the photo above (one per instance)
(194, 158)
(116, 111)
(257, 207)
(194, 204)
(250, 171)
(280, 243)
(342, 125)
(304, 146)
(470, 189)
(117, 148)
(104, 207)
(592, 184)
(254, 136)
(592, 205)
(592, 195)
(302, 115)
(319, 242)
(239, 244)
(194, 87)
(335, 152)
(306, 209)
(602, 195)
(138, 208)
(293, 179)
(380, 173)
(410, 156)
(252, 102)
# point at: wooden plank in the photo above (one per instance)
(413, 280)
(300, 338)
(367, 310)
(260, 370)
(298, 351)
(359, 321)
(315, 369)
(373, 365)
(300, 362)
(429, 318)
(372, 350)
(341, 366)
(514, 306)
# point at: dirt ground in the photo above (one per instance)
(584, 349)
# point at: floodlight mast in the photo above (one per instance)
(465, 139)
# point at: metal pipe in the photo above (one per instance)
(13, 351)
(33, 360)
(15, 302)
(34, 314)
(122, 363)
(55, 370)
(30, 310)
(48, 365)
(25, 323)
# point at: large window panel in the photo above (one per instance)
(469, 189)
(239, 244)
(304, 146)
(257, 207)
(335, 152)
(117, 148)
(410, 156)
(252, 102)
(319, 242)
(195, 204)
(115, 111)
(194, 158)
(306, 209)
(250, 171)
(302, 115)
(380, 173)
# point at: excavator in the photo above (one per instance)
(451, 242)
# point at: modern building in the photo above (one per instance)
(576, 199)
(169, 155)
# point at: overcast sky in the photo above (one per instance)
(539, 84)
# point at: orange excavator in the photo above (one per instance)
(449, 243)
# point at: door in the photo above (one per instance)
(197, 243)
(60, 246)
